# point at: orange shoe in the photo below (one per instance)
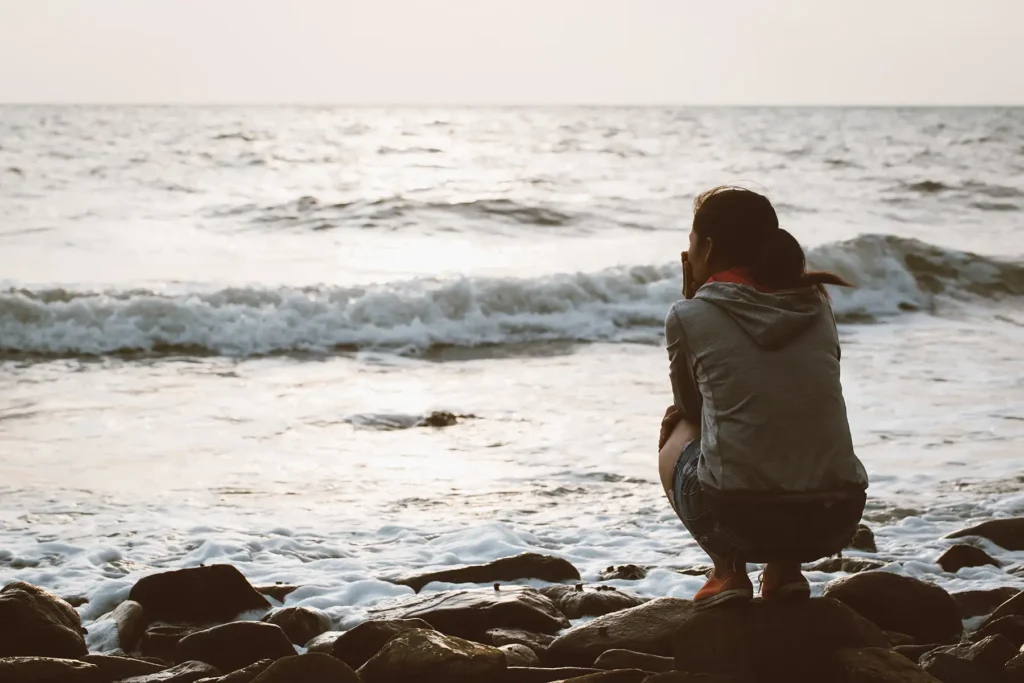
(732, 585)
(787, 583)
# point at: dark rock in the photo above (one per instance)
(687, 677)
(75, 600)
(915, 652)
(161, 642)
(524, 566)
(977, 603)
(763, 641)
(1013, 672)
(1006, 533)
(311, 668)
(951, 669)
(324, 642)
(850, 565)
(694, 570)
(647, 628)
(278, 591)
(878, 665)
(186, 672)
(542, 675)
(356, 646)
(470, 613)
(1016, 570)
(130, 620)
(1011, 628)
(626, 572)
(46, 670)
(538, 642)
(922, 610)
(198, 595)
(115, 668)
(245, 675)
(300, 624)
(992, 652)
(960, 556)
(627, 659)
(423, 654)
(575, 602)
(620, 676)
(438, 418)
(863, 540)
(36, 623)
(1013, 606)
(897, 639)
(517, 654)
(235, 645)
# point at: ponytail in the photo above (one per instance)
(781, 264)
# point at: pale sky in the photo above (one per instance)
(513, 51)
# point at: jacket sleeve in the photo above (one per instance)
(685, 393)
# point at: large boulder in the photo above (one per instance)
(355, 647)
(1013, 606)
(300, 624)
(310, 668)
(962, 555)
(524, 566)
(115, 668)
(878, 665)
(423, 654)
(235, 645)
(763, 641)
(186, 672)
(538, 642)
(647, 628)
(981, 602)
(470, 613)
(1006, 533)
(576, 601)
(900, 603)
(518, 654)
(36, 623)
(949, 668)
(46, 670)
(627, 659)
(197, 595)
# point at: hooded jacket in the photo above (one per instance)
(760, 373)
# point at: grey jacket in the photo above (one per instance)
(760, 373)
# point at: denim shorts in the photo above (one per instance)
(759, 531)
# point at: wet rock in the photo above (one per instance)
(878, 665)
(647, 628)
(356, 646)
(626, 572)
(960, 556)
(186, 672)
(1013, 672)
(130, 620)
(687, 677)
(1016, 570)
(992, 652)
(197, 595)
(897, 639)
(850, 565)
(36, 623)
(300, 624)
(694, 570)
(75, 600)
(245, 675)
(1006, 533)
(620, 676)
(524, 566)
(519, 655)
(627, 659)
(915, 652)
(577, 601)
(470, 613)
(863, 540)
(542, 675)
(324, 642)
(1013, 606)
(161, 642)
(311, 668)
(922, 610)
(235, 645)
(764, 641)
(46, 670)
(977, 603)
(1011, 628)
(951, 669)
(278, 591)
(112, 668)
(429, 655)
(538, 642)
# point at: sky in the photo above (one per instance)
(831, 52)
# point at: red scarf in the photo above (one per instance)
(739, 276)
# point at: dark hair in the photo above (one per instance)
(745, 231)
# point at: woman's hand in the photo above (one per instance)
(689, 286)
(668, 425)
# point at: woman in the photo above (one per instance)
(755, 454)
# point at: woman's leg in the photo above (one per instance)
(684, 433)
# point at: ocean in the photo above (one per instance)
(220, 328)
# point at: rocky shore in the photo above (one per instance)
(209, 624)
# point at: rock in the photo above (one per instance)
(575, 601)
(300, 624)
(897, 639)
(422, 654)
(620, 676)
(1013, 606)
(470, 613)
(542, 675)
(1006, 533)
(46, 670)
(1011, 628)
(235, 645)
(992, 652)
(686, 677)
(863, 540)
(961, 555)
(764, 641)
(951, 669)
(324, 642)
(36, 623)
(977, 603)
(524, 566)
(626, 572)
(130, 620)
(244, 675)
(278, 591)
(538, 642)
(878, 665)
(1013, 672)
(115, 668)
(199, 595)
(915, 652)
(647, 628)
(694, 570)
(900, 603)
(357, 646)
(627, 659)
(439, 418)
(161, 642)
(186, 672)
(517, 654)
(311, 668)
(850, 565)
(1016, 570)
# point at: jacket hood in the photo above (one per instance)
(772, 320)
